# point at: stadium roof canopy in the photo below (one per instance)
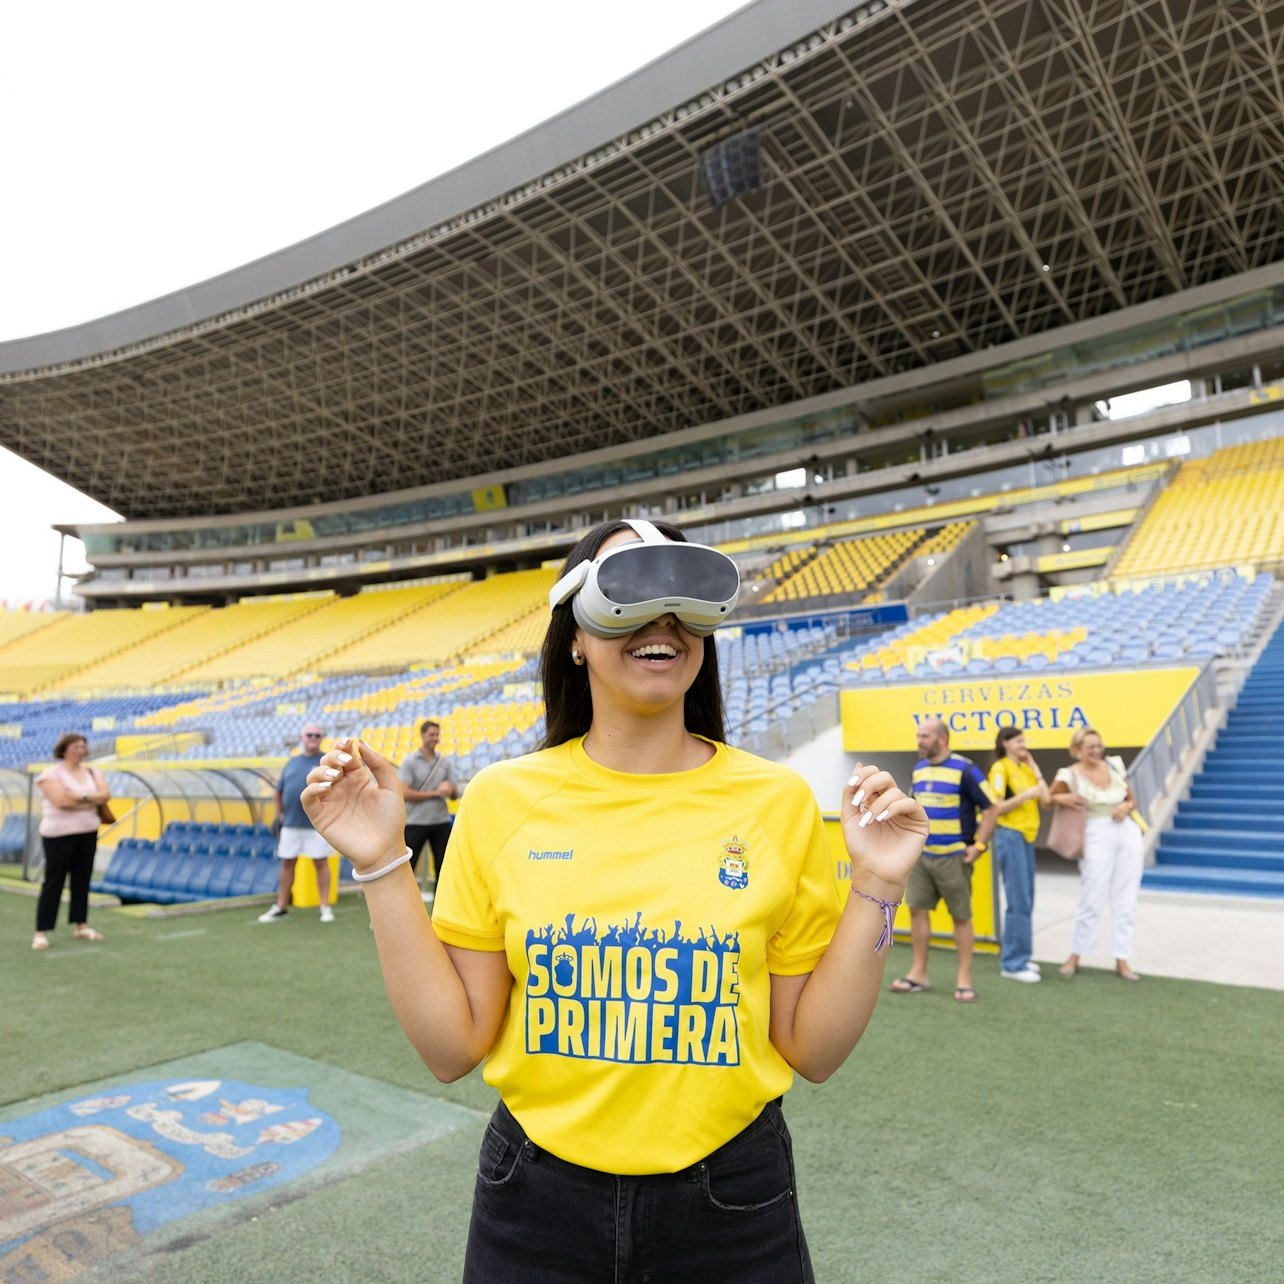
(938, 177)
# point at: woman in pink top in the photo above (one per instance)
(71, 794)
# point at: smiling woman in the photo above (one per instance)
(637, 923)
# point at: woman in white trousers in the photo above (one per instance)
(1112, 850)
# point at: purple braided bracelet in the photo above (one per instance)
(889, 912)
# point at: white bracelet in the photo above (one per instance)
(387, 869)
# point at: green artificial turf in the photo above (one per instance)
(1073, 1130)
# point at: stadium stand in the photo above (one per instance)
(1225, 510)
(16, 624)
(252, 639)
(834, 444)
(52, 658)
(848, 567)
(1198, 619)
(461, 620)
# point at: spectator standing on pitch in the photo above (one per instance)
(71, 795)
(1018, 784)
(1113, 849)
(952, 790)
(427, 780)
(298, 837)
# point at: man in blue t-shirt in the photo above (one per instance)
(298, 837)
(961, 816)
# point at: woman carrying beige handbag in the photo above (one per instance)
(1111, 860)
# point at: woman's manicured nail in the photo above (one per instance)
(859, 798)
(865, 819)
(343, 758)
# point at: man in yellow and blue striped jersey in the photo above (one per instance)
(961, 813)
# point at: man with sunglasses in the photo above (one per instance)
(298, 837)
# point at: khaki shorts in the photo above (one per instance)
(937, 878)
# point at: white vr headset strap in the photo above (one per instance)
(649, 533)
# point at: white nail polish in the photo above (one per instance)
(333, 772)
(323, 784)
(865, 819)
(344, 758)
(883, 815)
(859, 798)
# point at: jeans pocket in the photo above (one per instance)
(498, 1159)
(753, 1173)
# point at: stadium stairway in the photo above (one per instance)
(1228, 836)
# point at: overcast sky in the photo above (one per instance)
(149, 146)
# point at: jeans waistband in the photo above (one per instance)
(507, 1126)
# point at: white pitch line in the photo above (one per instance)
(174, 936)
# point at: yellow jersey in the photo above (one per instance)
(642, 917)
(1008, 778)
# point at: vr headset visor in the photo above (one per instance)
(632, 584)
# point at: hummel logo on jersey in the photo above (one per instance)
(569, 854)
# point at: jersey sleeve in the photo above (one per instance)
(464, 912)
(977, 788)
(804, 936)
(999, 779)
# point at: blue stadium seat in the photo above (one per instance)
(13, 834)
(266, 876)
(120, 870)
(220, 879)
(242, 881)
(201, 870)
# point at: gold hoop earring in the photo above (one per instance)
(576, 658)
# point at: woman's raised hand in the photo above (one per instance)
(353, 798)
(883, 828)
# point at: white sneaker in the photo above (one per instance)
(327, 914)
(1034, 967)
(273, 914)
(1027, 974)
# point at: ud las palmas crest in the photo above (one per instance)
(733, 869)
(93, 1176)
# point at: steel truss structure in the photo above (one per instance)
(940, 177)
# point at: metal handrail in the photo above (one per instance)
(1151, 770)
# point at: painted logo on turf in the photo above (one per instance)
(154, 1152)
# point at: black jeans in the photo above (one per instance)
(69, 854)
(731, 1217)
(436, 836)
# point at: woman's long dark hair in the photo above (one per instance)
(1005, 734)
(568, 704)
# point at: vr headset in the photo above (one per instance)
(632, 584)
